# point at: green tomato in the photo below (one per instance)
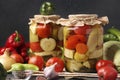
(47, 8)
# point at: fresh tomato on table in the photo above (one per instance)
(106, 70)
(107, 73)
(102, 63)
(36, 60)
(18, 58)
(59, 66)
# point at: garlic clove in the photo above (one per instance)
(50, 72)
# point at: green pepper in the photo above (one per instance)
(110, 37)
(17, 66)
(47, 8)
(30, 67)
(20, 66)
(115, 32)
(3, 72)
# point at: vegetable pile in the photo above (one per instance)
(108, 68)
(18, 48)
(16, 54)
(111, 46)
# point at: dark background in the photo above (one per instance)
(15, 14)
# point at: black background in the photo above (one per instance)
(15, 14)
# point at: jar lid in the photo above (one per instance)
(82, 16)
(45, 18)
(64, 22)
(89, 19)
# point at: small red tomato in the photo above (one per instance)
(59, 66)
(83, 30)
(24, 54)
(2, 50)
(18, 58)
(43, 30)
(11, 49)
(35, 46)
(26, 59)
(102, 63)
(36, 60)
(27, 44)
(73, 40)
(107, 73)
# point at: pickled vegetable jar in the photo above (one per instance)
(45, 35)
(83, 41)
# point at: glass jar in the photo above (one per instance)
(45, 35)
(83, 41)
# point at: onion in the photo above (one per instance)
(6, 60)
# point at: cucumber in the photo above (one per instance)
(109, 49)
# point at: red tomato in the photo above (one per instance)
(12, 50)
(36, 60)
(73, 40)
(43, 30)
(107, 73)
(24, 54)
(35, 46)
(83, 30)
(18, 58)
(80, 38)
(2, 50)
(26, 59)
(59, 66)
(27, 44)
(81, 48)
(102, 63)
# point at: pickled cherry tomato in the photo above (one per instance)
(83, 30)
(35, 46)
(73, 40)
(81, 48)
(43, 30)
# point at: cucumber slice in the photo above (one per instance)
(109, 49)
